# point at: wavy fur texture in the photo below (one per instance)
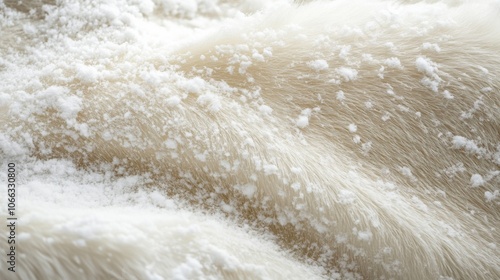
(362, 137)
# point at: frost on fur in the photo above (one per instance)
(354, 139)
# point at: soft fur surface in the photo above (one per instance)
(337, 139)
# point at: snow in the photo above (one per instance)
(460, 142)
(393, 62)
(171, 144)
(448, 95)
(302, 121)
(353, 127)
(318, 65)
(430, 69)
(195, 85)
(490, 196)
(340, 96)
(211, 131)
(476, 180)
(431, 46)
(348, 74)
(264, 109)
(248, 190)
(346, 197)
(173, 101)
(365, 235)
(270, 169)
(211, 101)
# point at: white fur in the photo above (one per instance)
(353, 131)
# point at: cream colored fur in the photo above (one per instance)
(364, 135)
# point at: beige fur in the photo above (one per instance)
(364, 165)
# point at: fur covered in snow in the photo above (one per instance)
(364, 136)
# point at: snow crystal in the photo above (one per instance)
(268, 52)
(146, 7)
(405, 171)
(24, 236)
(264, 109)
(459, 142)
(348, 74)
(29, 29)
(470, 146)
(366, 147)
(80, 243)
(365, 235)
(448, 95)
(296, 170)
(194, 85)
(344, 52)
(270, 169)
(302, 121)
(429, 68)
(170, 144)
(318, 65)
(257, 56)
(393, 62)
(346, 197)
(490, 196)
(173, 101)
(69, 106)
(476, 180)
(340, 96)
(247, 190)
(86, 74)
(353, 128)
(386, 116)
(211, 100)
(356, 139)
(201, 157)
(432, 47)
(295, 186)
(425, 65)
(486, 89)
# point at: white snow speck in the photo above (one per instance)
(476, 180)
(426, 66)
(270, 169)
(266, 110)
(365, 235)
(393, 62)
(348, 74)
(302, 121)
(318, 65)
(194, 85)
(211, 100)
(431, 47)
(173, 101)
(490, 196)
(356, 139)
(171, 144)
(86, 74)
(69, 106)
(340, 96)
(346, 197)
(353, 128)
(448, 95)
(247, 190)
